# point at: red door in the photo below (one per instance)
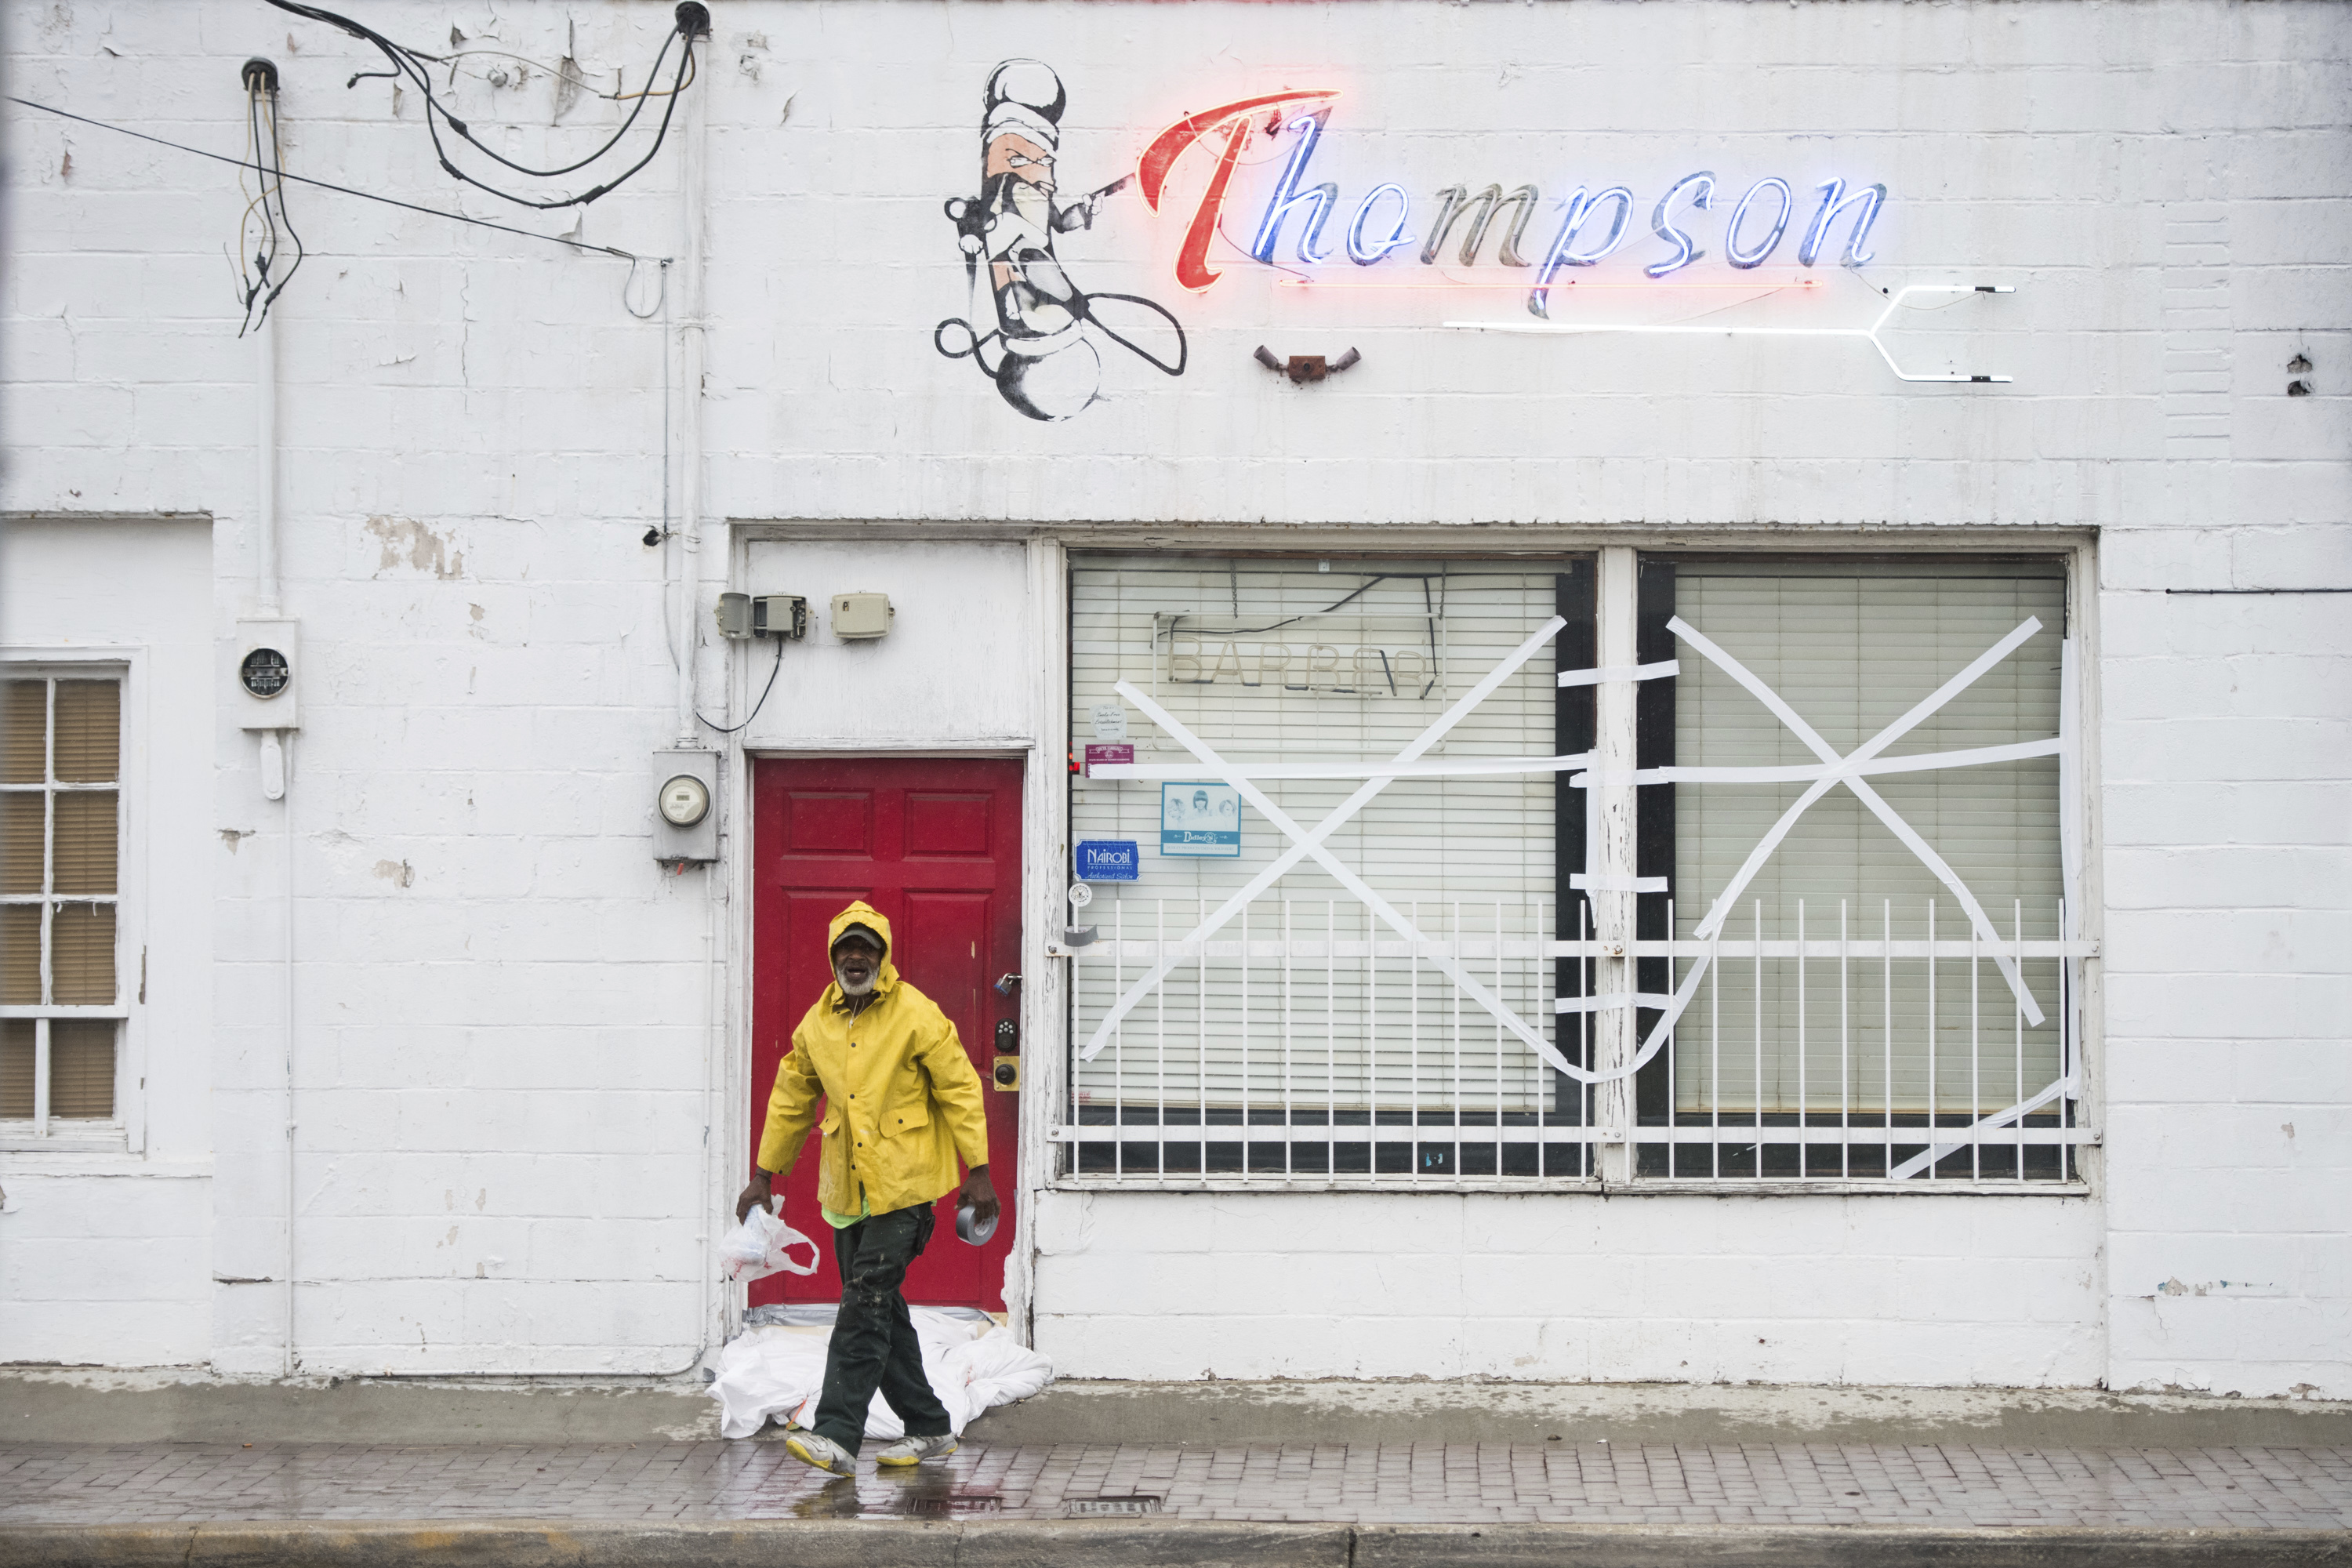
(935, 846)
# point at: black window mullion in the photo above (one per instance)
(1653, 842)
(1577, 647)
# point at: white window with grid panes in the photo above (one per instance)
(1609, 868)
(62, 1009)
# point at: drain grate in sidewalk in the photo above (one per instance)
(1086, 1508)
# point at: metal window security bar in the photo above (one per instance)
(1444, 945)
(60, 812)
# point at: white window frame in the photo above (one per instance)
(125, 1132)
(1618, 591)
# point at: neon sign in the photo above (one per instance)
(1593, 224)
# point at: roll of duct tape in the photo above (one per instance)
(969, 1228)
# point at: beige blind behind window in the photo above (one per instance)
(1279, 662)
(60, 831)
(1852, 647)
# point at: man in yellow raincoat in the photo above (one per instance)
(902, 1103)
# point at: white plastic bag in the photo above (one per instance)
(761, 1246)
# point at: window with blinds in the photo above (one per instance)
(1905, 1035)
(60, 834)
(1829, 941)
(1304, 1011)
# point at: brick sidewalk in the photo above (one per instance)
(1946, 1485)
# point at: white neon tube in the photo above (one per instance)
(1869, 333)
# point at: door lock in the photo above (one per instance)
(1008, 1037)
(1006, 1075)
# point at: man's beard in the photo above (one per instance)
(861, 988)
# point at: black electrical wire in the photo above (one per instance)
(1369, 583)
(774, 670)
(330, 186)
(258, 288)
(410, 64)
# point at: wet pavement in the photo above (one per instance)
(1946, 1485)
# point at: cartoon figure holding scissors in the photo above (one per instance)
(1045, 362)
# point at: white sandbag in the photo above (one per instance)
(780, 1371)
(998, 1369)
(765, 1372)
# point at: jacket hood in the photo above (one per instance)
(861, 913)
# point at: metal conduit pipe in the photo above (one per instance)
(269, 593)
(694, 151)
(691, 153)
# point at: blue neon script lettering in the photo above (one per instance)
(1319, 200)
(1702, 185)
(1364, 253)
(1563, 252)
(1593, 224)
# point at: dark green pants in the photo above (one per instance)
(874, 1343)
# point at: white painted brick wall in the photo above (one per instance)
(501, 1045)
(1933, 1291)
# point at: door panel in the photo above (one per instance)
(935, 845)
(836, 824)
(940, 824)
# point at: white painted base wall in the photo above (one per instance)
(1941, 1291)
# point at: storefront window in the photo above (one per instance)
(1852, 1035)
(1309, 1014)
(1357, 918)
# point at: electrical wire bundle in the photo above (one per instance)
(409, 66)
(265, 231)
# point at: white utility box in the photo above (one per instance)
(857, 618)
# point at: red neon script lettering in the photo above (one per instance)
(1160, 158)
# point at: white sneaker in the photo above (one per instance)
(821, 1453)
(915, 1450)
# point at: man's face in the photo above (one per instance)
(856, 963)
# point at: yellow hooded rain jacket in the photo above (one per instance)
(902, 1100)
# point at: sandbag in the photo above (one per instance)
(779, 1371)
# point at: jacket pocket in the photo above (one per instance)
(832, 1123)
(907, 1118)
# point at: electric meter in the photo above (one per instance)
(684, 801)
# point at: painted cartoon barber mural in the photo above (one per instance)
(1040, 350)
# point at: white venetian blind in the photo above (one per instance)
(1852, 647)
(1281, 662)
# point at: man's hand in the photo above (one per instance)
(981, 1194)
(757, 1193)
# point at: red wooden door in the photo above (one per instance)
(935, 845)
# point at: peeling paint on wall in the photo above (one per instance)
(408, 542)
(2175, 1287)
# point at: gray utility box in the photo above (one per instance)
(677, 771)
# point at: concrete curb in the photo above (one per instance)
(899, 1544)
